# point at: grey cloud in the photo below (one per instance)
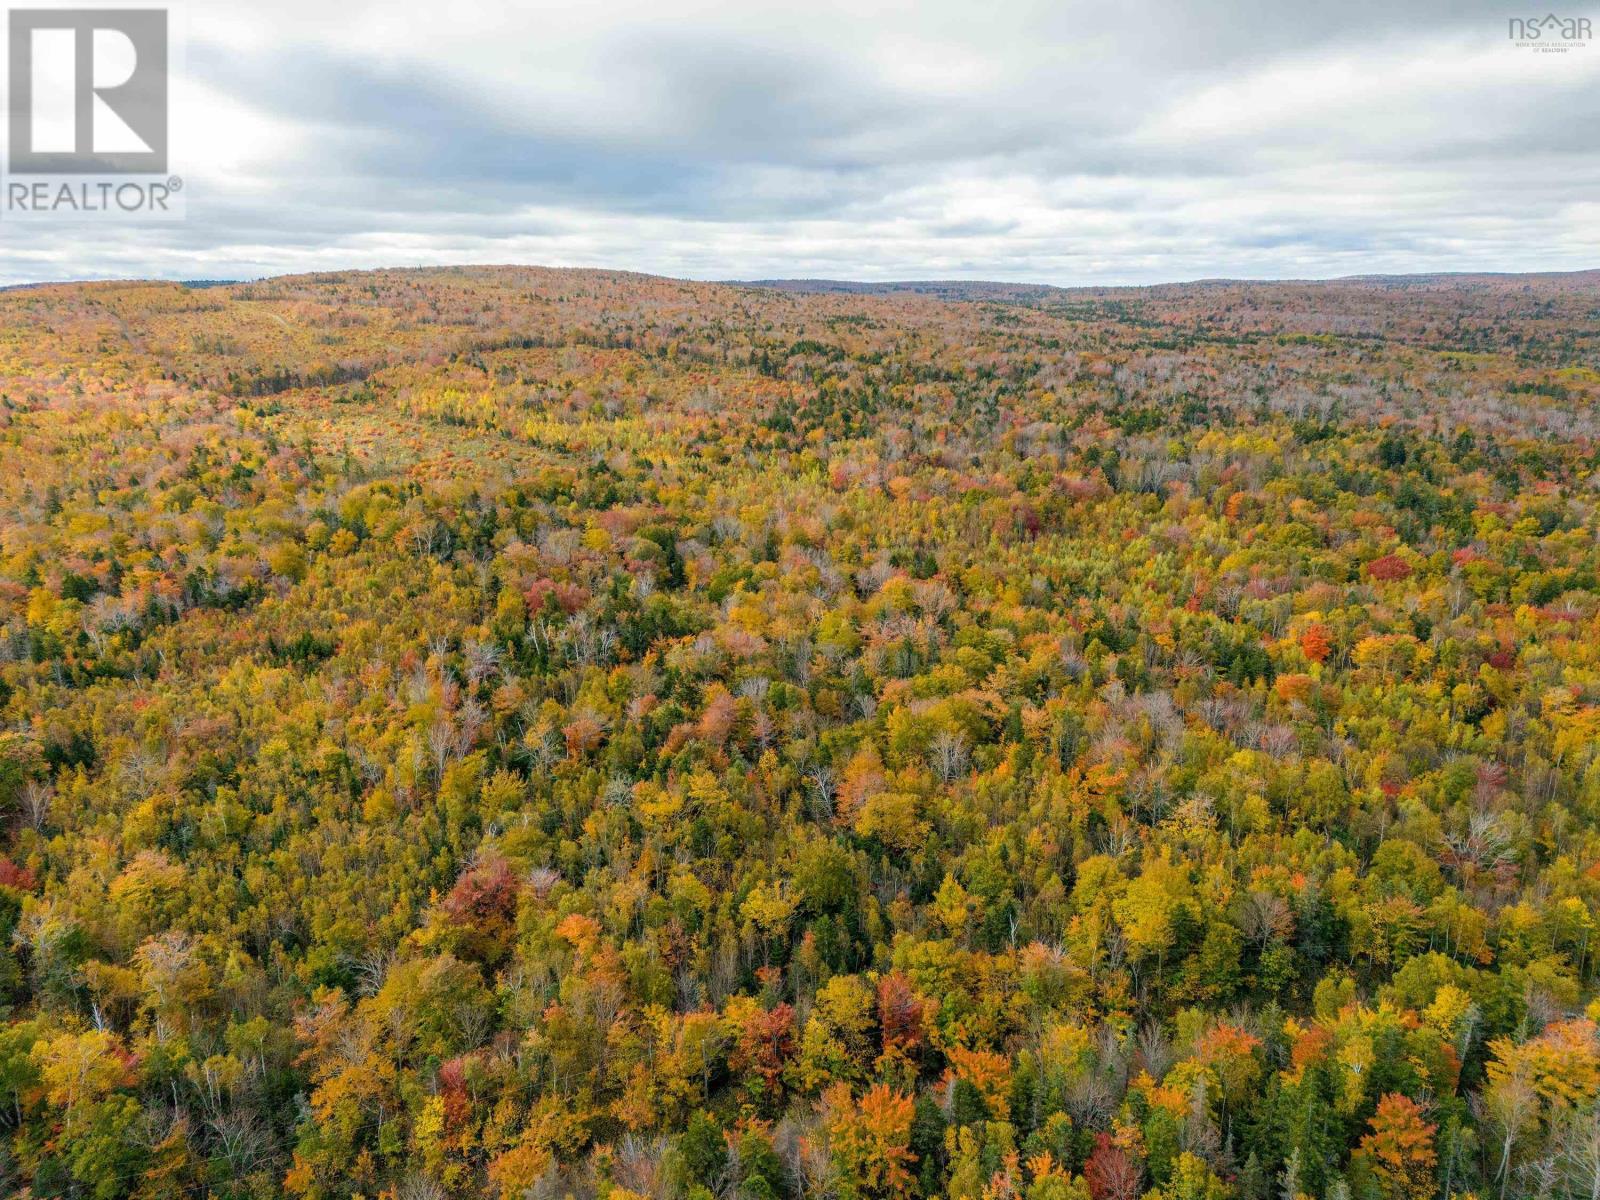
(783, 150)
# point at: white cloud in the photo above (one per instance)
(1061, 143)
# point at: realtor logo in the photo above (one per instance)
(88, 91)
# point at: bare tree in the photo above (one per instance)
(1578, 1142)
(1507, 1107)
(1265, 918)
(949, 755)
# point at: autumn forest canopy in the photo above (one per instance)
(523, 733)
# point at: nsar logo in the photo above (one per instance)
(1549, 34)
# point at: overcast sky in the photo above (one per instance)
(1062, 143)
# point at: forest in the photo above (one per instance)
(507, 732)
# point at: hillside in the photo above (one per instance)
(518, 732)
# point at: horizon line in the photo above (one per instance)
(841, 282)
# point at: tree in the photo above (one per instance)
(1400, 1149)
(763, 1047)
(1111, 1172)
(869, 1139)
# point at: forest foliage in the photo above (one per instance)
(508, 732)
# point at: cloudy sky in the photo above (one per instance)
(1052, 142)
